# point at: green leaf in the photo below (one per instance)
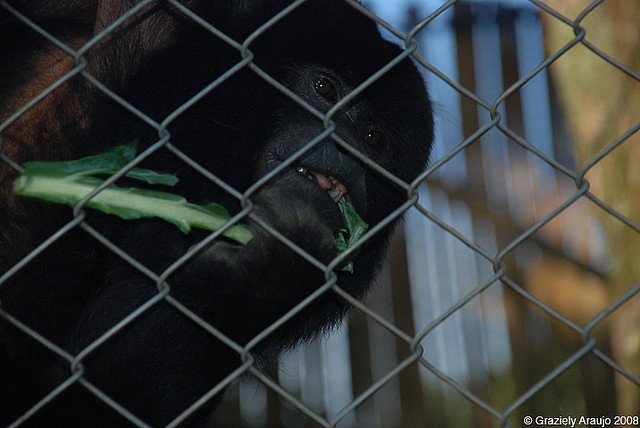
(103, 163)
(355, 228)
(107, 163)
(216, 209)
(68, 182)
(152, 177)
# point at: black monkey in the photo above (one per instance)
(76, 288)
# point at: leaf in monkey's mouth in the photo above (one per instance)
(348, 236)
(355, 227)
(335, 188)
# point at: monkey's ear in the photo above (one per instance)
(150, 26)
(140, 33)
(108, 11)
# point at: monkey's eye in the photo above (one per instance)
(326, 89)
(374, 138)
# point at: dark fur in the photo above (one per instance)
(77, 289)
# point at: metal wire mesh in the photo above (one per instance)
(503, 414)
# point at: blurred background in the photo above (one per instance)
(519, 272)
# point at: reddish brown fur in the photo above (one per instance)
(38, 132)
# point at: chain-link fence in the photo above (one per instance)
(510, 296)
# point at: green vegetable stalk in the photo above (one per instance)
(68, 182)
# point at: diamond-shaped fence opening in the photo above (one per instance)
(511, 292)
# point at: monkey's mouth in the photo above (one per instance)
(334, 187)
